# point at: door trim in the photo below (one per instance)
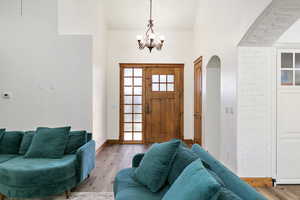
(197, 61)
(149, 65)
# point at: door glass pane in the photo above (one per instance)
(127, 127)
(170, 78)
(138, 91)
(138, 127)
(127, 109)
(138, 136)
(297, 77)
(163, 78)
(137, 118)
(286, 77)
(128, 72)
(138, 72)
(128, 100)
(127, 136)
(127, 90)
(137, 100)
(128, 118)
(138, 82)
(128, 81)
(287, 60)
(171, 87)
(155, 87)
(163, 87)
(155, 78)
(297, 60)
(137, 109)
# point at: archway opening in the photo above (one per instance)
(213, 107)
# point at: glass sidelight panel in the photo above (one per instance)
(128, 127)
(127, 136)
(137, 136)
(138, 127)
(128, 109)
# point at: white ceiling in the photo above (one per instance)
(134, 14)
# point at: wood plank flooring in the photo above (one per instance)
(116, 157)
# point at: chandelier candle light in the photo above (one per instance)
(150, 40)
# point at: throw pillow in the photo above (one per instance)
(183, 158)
(155, 166)
(26, 142)
(217, 178)
(48, 143)
(226, 194)
(194, 183)
(76, 140)
(10, 142)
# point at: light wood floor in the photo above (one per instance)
(116, 157)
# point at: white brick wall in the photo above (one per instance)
(255, 115)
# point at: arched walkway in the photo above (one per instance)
(272, 23)
(213, 106)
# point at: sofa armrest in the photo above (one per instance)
(86, 157)
(137, 160)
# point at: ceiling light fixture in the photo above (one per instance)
(150, 40)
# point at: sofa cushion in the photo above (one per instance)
(10, 142)
(76, 140)
(226, 194)
(26, 142)
(194, 183)
(126, 187)
(2, 130)
(245, 191)
(155, 166)
(6, 157)
(56, 140)
(183, 158)
(29, 172)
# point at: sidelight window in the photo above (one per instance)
(132, 104)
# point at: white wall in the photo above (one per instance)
(122, 47)
(219, 28)
(49, 76)
(90, 19)
(291, 35)
(212, 122)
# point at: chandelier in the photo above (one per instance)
(150, 40)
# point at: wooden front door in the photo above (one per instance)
(198, 101)
(163, 103)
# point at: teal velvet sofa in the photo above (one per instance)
(22, 177)
(126, 186)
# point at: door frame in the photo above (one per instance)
(281, 89)
(148, 65)
(199, 60)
